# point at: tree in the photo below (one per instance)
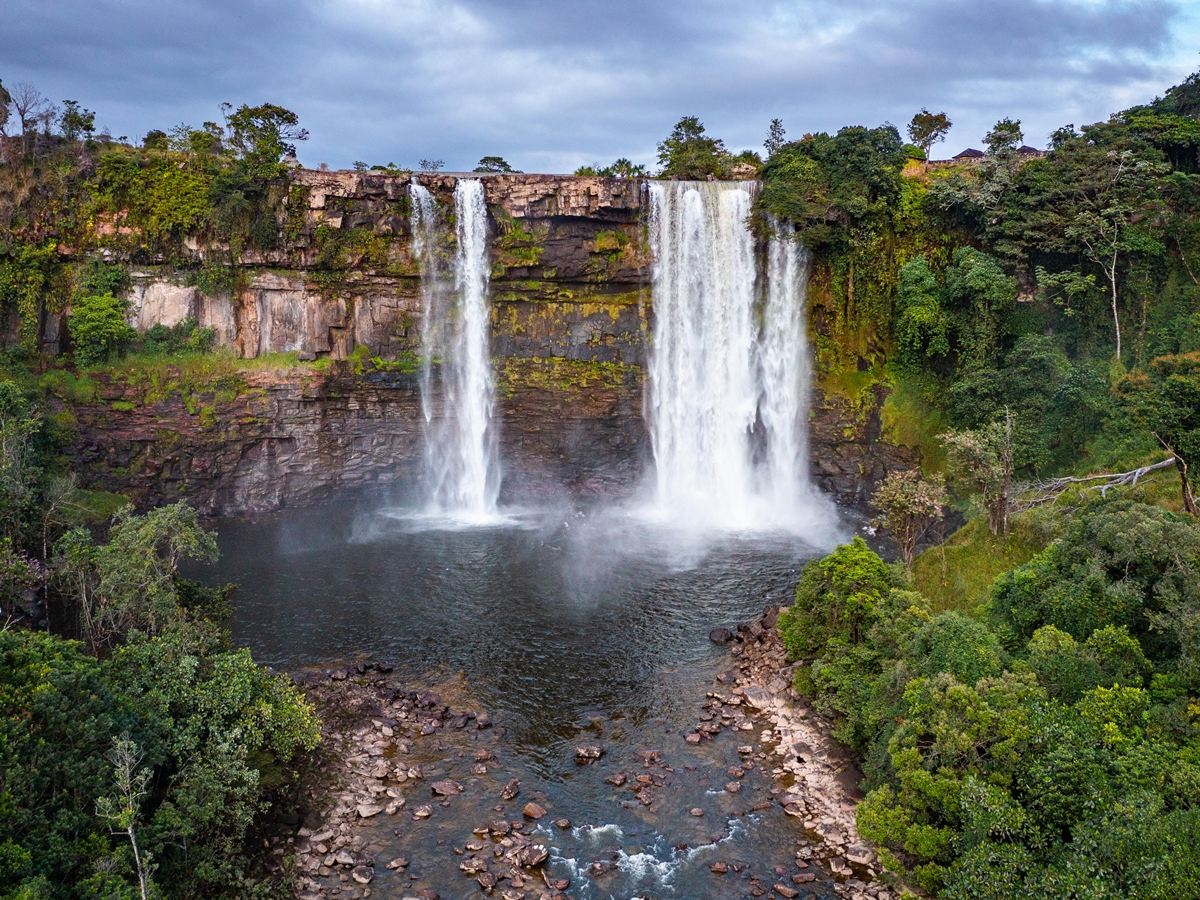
(76, 122)
(1004, 138)
(33, 110)
(689, 154)
(430, 165)
(1166, 401)
(983, 460)
(927, 129)
(909, 505)
(262, 136)
(156, 140)
(775, 137)
(495, 164)
(123, 810)
(132, 581)
(1115, 219)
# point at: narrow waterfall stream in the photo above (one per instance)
(458, 391)
(728, 366)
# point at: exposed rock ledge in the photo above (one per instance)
(824, 794)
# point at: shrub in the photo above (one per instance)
(99, 328)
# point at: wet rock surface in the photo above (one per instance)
(392, 817)
(817, 776)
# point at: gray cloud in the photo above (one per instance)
(551, 85)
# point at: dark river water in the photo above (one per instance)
(567, 626)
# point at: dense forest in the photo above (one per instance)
(1023, 693)
(1037, 317)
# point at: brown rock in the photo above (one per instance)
(719, 868)
(587, 755)
(533, 811)
(784, 891)
(510, 790)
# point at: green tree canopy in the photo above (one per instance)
(689, 153)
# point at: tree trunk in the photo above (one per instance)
(1189, 499)
(1112, 280)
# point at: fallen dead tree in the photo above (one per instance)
(1046, 492)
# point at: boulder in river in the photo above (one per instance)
(587, 755)
(363, 874)
(510, 790)
(447, 788)
(534, 855)
(720, 635)
(533, 810)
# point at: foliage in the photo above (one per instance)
(1166, 402)
(215, 733)
(688, 153)
(1043, 751)
(99, 328)
(1121, 564)
(927, 129)
(909, 505)
(132, 582)
(982, 461)
(495, 164)
(621, 168)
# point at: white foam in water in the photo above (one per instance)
(462, 478)
(728, 360)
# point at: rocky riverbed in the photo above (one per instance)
(416, 793)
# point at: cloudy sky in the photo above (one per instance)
(554, 85)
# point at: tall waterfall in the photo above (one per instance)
(458, 394)
(728, 369)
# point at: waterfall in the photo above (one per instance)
(784, 367)
(458, 392)
(727, 402)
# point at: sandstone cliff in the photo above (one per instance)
(571, 316)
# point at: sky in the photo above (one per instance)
(553, 85)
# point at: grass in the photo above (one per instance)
(958, 573)
(154, 377)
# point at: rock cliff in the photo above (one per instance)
(571, 316)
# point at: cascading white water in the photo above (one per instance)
(458, 395)
(784, 368)
(727, 360)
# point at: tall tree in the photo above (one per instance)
(1114, 217)
(775, 137)
(927, 128)
(690, 154)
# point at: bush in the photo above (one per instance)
(98, 328)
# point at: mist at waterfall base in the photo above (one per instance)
(579, 621)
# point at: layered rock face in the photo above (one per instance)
(571, 317)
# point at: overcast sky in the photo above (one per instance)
(554, 85)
